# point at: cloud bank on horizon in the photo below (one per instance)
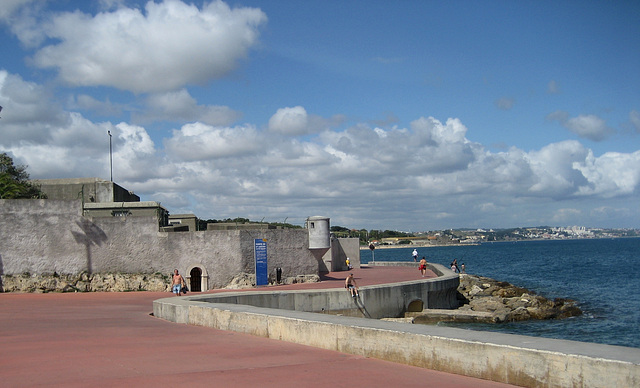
(295, 109)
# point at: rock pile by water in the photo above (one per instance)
(486, 300)
(506, 302)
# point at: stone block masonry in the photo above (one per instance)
(47, 237)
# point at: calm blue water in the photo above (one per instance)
(601, 275)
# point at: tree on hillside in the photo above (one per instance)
(14, 181)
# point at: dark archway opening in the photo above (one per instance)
(415, 306)
(196, 280)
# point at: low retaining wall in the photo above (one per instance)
(380, 301)
(438, 269)
(391, 264)
(513, 359)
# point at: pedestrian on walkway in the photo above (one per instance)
(177, 282)
(423, 266)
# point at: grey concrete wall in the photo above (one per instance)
(384, 301)
(91, 189)
(341, 248)
(512, 359)
(47, 236)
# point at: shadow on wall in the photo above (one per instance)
(91, 235)
(1, 273)
(318, 254)
(340, 257)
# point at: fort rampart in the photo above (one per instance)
(47, 237)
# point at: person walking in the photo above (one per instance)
(423, 266)
(415, 255)
(177, 282)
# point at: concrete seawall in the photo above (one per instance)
(514, 359)
(379, 301)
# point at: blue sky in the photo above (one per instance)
(408, 115)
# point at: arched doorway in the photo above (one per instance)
(197, 277)
(415, 306)
(195, 281)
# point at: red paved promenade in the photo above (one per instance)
(111, 340)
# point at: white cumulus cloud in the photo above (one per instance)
(169, 45)
(180, 106)
(589, 126)
(289, 121)
(199, 141)
(428, 172)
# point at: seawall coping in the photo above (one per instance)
(587, 349)
(508, 358)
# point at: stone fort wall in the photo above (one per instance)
(46, 237)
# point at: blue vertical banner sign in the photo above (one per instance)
(260, 252)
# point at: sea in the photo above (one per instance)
(601, 275)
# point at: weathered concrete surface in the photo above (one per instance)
(110, 340)
(375, 301)
(392, 264)
(47, 236)
(520, 360)
(441, 315)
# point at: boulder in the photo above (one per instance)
(497, 302)
(243, 280)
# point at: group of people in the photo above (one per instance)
(455, 268)
(423, 264)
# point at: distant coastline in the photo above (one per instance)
(365, 247)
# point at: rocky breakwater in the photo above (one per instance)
(488, 300)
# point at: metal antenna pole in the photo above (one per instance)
(110, 156)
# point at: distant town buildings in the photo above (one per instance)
(477, 236)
